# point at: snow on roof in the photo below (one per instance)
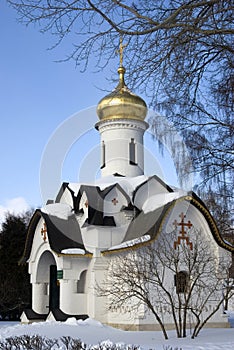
(73, 251)
(60, 210)
(154, 202)
(131, 243)
(127, 183)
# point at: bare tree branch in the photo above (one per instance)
(146, 277)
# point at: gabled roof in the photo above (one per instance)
(65, 186)
(151, 223)
(157, 179)
(96, 198)
(62, 234)
(96, 195)
(64, 231)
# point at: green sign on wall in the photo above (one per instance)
(60, 274)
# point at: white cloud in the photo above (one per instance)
(15, 206)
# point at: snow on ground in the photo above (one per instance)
(93, 332)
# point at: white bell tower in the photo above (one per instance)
(122, 128)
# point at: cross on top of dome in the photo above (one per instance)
(121, 50)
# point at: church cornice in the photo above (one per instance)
(121, 123)
(86, 255)
(213, 227)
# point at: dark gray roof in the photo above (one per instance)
(62, 234)
(32, 315)
(59, 315)
(96, 198)
(145, 223)
(150, 223)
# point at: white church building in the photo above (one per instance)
(73, 239)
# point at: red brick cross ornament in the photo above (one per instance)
(115, 201)
(183, 231)
(44, 231)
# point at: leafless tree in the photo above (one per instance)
(180, 54)
(185, 284)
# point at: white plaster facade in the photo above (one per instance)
(84, 268)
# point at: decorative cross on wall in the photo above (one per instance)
(115, 201)
(44, 232)
(182, 231)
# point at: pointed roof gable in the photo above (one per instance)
(62, 233)
(150, 187)
(151, 224)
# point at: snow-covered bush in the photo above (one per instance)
(29, 342)
(37, 342)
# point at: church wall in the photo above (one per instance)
(114, 202)
(40, 246)
(98, 238)
(96, 304)
(127, 317)
(199, 225)
(110, 205)
(41, 258)
(71, 301)
(40, 298)
(198, 221)
(40, 280)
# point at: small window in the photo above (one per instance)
(132, 152)
(81, 283)
(103, 155)
(182, 282)
(46, 289)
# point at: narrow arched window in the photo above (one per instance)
(182, 282)
(132, 152)
(103, 155)
(81, 284)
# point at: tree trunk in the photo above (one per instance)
(161, 324)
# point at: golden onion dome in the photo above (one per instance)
(121, 103)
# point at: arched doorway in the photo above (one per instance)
(46, 288)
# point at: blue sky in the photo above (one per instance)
(37, 96)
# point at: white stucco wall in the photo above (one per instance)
(117, 135)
